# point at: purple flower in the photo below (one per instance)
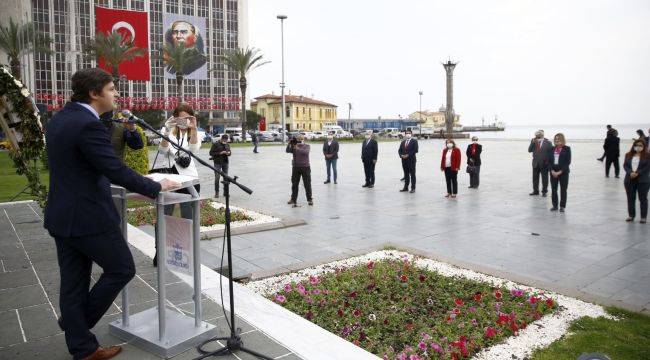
(288, 288)
(315, 292)
(474, 322)
(309, 300)
(422, 345)
(280, 298)
(436, 347)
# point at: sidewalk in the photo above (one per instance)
(29, 289)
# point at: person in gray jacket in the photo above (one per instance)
(540, 147)
(300, 168)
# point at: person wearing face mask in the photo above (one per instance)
(450, 164)
(612, 152)
(300, 168)
(473, 153)
(559, 167)
(219, 153)
(369, 151)
(637, 179)
(540, 147)
(407, 150)
(331, 152)
(642, 136)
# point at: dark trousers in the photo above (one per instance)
(409, 173)
(563, 182)
(474, 177)
(451, 177)
(369, 169)
(81, 309)
(330, 164)
(632, 188)
(255, 144)
(296, 173)
(219, 166)
(608, 164)
(537, 172)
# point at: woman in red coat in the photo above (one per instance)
(450, 164)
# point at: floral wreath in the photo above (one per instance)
(15, 96)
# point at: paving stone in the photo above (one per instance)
(17, 278)
(21, 297)
(10, 332)
(39, 321)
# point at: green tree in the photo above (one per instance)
(17, 40)
(252, 119)
(176, 58)
(153, 117)
(113, 49)
(138, 160)
(241, 61)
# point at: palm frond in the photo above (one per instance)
(242, 60)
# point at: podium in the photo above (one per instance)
(159, 330)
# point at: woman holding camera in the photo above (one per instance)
(181, 130)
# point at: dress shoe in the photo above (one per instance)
(365, 185)
(326, 182)
(371, 186)
(553, 209)
(642, 221)
(561, 209)
(404, 189)
(534, 193)
(402, 179)
(104, 353)
(412, 191)
(334, 182)
(630, 219)
(544, 194)
(310, 202)
(291, 202)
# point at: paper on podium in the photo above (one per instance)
(184, 180)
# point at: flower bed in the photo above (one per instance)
(210, 215)
(401, 307)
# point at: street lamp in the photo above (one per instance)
(420, 92)
(282, 85)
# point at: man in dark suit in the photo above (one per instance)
(473, 153)
(219, 153)
(331, 152)
(407, 150)
(80, 213)
(369, 151)
(540, 147)
(612, 152)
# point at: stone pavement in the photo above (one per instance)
(589, 251)
(29, 301)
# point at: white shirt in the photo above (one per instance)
(170, 152)
(448, 158)
(556, 157)
(635, 162)
(92, 109)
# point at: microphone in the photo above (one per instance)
(125, 116)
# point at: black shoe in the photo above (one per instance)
(534, 193)
(554, 208)
(326, 182)
(561, 209)
(371, 186)
(291, 202)
(606, 176)
(404, 189)
(470, 187)
(544, 194)
(618, 177)
(402, 179)
(600, 159)
(412, 191)
(310, 202)
(334, 182)
(216, 196)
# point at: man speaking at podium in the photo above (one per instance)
(80, 214)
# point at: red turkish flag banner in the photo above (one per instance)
(132, 25)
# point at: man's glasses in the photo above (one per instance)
(182, 32)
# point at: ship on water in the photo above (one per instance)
(495, 126)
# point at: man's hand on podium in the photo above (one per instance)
(167, 185)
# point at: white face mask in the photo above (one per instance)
(368, 137)
(638, 148)
(449, 146)
(408, 136)
(475, 142)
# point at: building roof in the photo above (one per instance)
(274, 99)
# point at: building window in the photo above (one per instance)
(309, 126)
(297, 113)
(288, 111)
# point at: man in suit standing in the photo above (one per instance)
(369, 151)
(407, 150)
(540, 148)
(331, 152)
(219, 153)
(80, 213)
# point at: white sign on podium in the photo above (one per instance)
(179, 244)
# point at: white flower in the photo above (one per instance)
(25, 92)
(17, 82)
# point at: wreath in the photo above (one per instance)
(21, 123)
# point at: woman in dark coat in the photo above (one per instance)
(637, 179)
(473, 153)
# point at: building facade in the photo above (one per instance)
(302, 113)
(434, 119)
(71, 25)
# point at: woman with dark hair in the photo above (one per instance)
(637, 179)
(560, 156)
(450, 164)
(642, 136)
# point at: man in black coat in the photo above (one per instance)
(369, 152)
(219, 153)
(540, 147)
(407, 150)
(80, 213)
(612, 152)
(473, 153)
(331, 153)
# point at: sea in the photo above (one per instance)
(571, 132)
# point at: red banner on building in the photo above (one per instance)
(132, 25)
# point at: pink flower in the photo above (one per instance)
(280, 298)
(356, 313)
(370, 265)
(533, 300)
(315, 292)
(340, 312)
(474, 322)
(490, 332)
(414, 357)
(422, 345)
(459, 302)
(426, 336)
(422, 278)
(436, 347)
(288, 288)
(497, 294)
(309, 300)
(313, 280)
(517, 292)
(456, 311)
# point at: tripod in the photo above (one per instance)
(233, 342)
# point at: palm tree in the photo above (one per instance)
(114, 49)
(16, 40)
(177, 58)
(242, 61)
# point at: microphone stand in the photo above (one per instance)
(233, 342)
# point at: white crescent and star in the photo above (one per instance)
(124, 25)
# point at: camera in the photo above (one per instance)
(293, 141)
(183, 161)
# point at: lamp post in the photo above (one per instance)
(282, 85)
(420, 92)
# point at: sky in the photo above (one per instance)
(528, 62)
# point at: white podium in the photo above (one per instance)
(159, 330)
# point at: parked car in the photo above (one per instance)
(269, 136)
(308, 135)
(319, 135)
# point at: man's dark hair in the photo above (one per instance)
(87, 80)
(408, 132)
(609, 126)
(224, 137)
